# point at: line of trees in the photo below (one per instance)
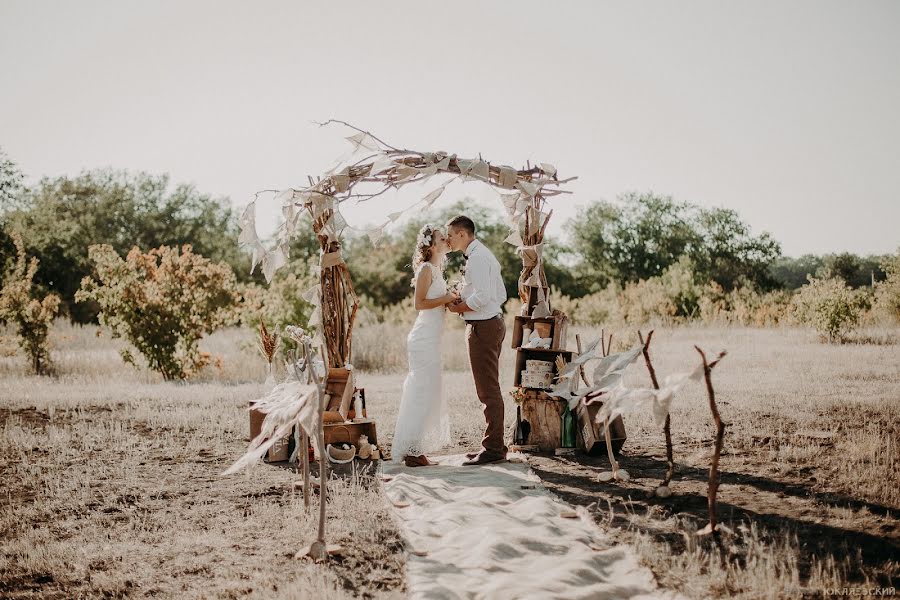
(638, 238)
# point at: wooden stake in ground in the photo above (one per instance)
(304, 462)
(663, 489)
(720, 436)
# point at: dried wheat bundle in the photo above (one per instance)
(268, 342)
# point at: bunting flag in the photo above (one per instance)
(247, 222)
(508, 177)
(619, 399)
(381, 164)
(515, 238)
(435, 194)
(365, 141)
(608, 373)
(272, 261)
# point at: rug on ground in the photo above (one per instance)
(493, 531)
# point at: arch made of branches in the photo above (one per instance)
(371, 169)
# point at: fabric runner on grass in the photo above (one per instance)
(495, 532)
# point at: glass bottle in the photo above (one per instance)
(519, 436)
(567, 428)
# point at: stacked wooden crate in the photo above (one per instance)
(539, 408)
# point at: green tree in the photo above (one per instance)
(793, 273)
(11, 186)
(638, 238)
(855, 271)
(60, 218)
(730, 254)
(643, 235)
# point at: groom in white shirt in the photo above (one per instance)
(481, 299)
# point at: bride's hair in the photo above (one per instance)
(424, 247)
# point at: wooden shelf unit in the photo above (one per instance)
(524, 354)
(559, 325)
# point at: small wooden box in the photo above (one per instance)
(591, 434)
(526, 354)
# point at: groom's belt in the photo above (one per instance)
(483, 320)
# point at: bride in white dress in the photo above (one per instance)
(422, 422)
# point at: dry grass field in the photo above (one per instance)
(111, 486)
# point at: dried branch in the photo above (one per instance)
(713, 487)
(662, 490)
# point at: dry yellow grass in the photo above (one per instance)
(112, 488)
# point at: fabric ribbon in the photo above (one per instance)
(331, 259)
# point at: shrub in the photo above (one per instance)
(162, 302)
(31, 317)
(830, 306)
(887, 292)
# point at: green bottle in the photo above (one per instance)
(567, 429)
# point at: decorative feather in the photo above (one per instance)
(288, 404)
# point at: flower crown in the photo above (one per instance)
(423, 240)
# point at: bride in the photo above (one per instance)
(422, 422)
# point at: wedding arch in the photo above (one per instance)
(372, 168)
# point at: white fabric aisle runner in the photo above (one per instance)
(495, 532)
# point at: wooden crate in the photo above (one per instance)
(277, 452)
(591, 435)
(533, 297)
(350, 432)
(542, 412)
(339, 386)
(525, 354)
(558, 330)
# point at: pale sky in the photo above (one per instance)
(788, 112)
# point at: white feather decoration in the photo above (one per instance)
(288, 404)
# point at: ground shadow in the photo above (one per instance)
(863, 552)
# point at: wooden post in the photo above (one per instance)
(304, 462)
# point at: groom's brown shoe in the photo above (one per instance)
(483, 458)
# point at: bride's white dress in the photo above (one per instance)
(422, 422)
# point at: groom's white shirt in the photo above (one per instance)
(484, 291)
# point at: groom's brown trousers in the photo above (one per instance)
(485, 339)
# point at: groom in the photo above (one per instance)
(480, 302)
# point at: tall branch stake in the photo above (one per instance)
(667, 428)
(720, 435)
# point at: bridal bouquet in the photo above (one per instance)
(456, 286)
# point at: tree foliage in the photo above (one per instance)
(60, 218)
(887, 292)
(162, 302)
(645, 234)
(31, 317)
